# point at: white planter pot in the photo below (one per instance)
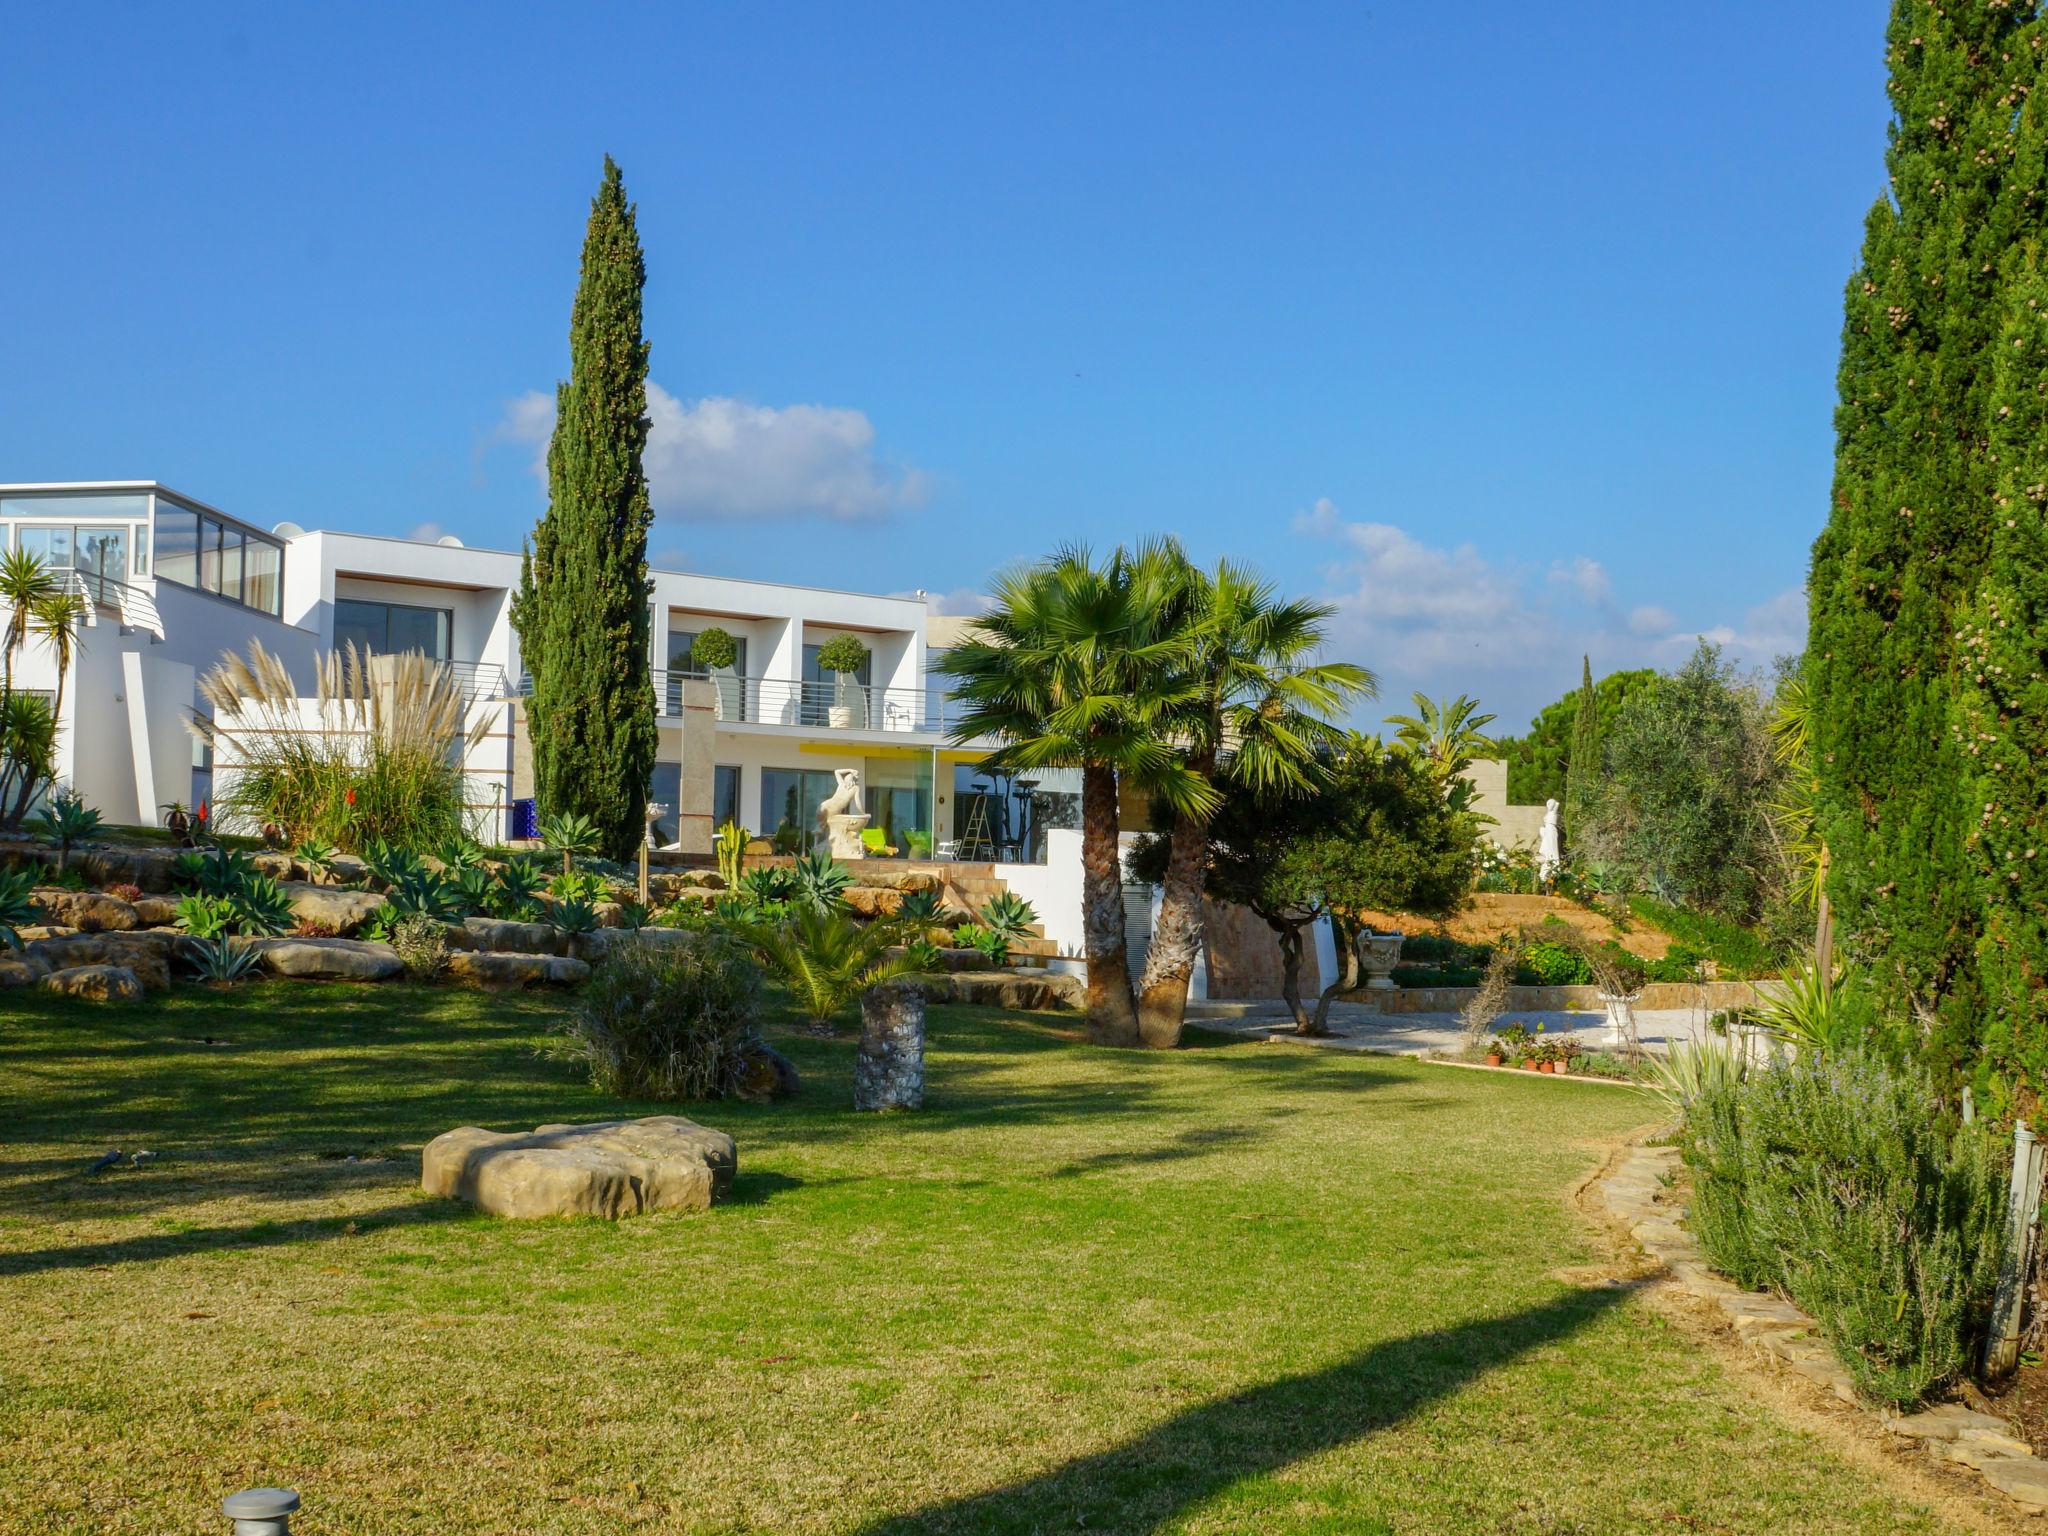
(1378, 954)
(839, 717)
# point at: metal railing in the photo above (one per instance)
(480, 681)
(785, 701)
(134, 607)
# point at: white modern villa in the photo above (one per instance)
(174, 583)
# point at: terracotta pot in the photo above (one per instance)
(1562, 1068)
(1528, 1066)
(1546, 1066)
(1495, 1059)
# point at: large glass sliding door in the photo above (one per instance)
(821, 690)
(790, 798)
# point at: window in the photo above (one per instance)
(790, 798)
(725, 794)
(384, 629)
(732, 687)
(197, 550)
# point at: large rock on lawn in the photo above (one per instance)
(87, 911)
(610, 1168)
(768, 1075)
(1032, 991)
(100, 983)
(496, 968)
(329, 959)
(342, 911)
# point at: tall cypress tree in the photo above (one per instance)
(1910, 523)
(1582, 768)
(581, 608)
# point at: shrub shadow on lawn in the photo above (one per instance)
(1146, 1483)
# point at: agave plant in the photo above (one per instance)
(188, 869)
(1008, 914)
(17, 904)
(577, 885)
(819, 880)
(68, 821)
(516, 891)
(825, 957)
(569, 833)
(575, 916)
(422, 893)
(922, 955)
(223, 960)
(924, 906)
(206, 917)
(768, 884)
(634, 915)
(224, 872)
(262, 907)
(317, 857)
(474, 889)
(388, 864)
(459, 853)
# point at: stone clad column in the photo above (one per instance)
(889, 1072)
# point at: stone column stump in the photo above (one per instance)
(889, 1072)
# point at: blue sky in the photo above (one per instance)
(1510, 329)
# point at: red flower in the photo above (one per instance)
(350, 797)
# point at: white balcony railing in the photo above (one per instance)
(131, 605)
(823, 705)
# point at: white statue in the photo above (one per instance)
(841, 816)
(1547, 857)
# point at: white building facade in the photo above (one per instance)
(174, 583)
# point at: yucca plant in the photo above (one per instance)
(378, 754)
(68, 822)
(819, 880)
(1008, 914)
(1693, 1068)
(825, 957)
(17, 904)
(569, 833)
(1807, 1014)
(223, 960)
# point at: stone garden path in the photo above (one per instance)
(1419, 1034)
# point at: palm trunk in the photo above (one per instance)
(1112, 1015)
(1176, 938)
(1346, 979)
(1289, 934)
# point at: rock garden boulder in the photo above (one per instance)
(87, 911)
(610, 1168)
(342, 911)
(498, 968)
(872, 901)
(156, 911)
(1032, 991)
(767, 1076)
(493, 933)
(147, 953)
(21, 970)
(329, 959)
(100, 983)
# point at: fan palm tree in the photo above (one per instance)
(1256, 714)
(1079, 665)
(1446, 734)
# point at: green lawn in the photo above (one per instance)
(1240, 1288)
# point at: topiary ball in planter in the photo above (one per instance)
(713, 649)
(842, 654)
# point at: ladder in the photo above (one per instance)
(976, 836)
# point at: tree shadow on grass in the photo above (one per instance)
(1143, 1484)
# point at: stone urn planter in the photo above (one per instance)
(1378, 954)
(1621, 1016)
(839, 716)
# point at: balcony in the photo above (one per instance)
(824, 706)
(132, 607)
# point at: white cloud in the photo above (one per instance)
(426, 533)
(1450, 619)
(720, 459)
(1650, 620)
(1584, 575)
(966, 602)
